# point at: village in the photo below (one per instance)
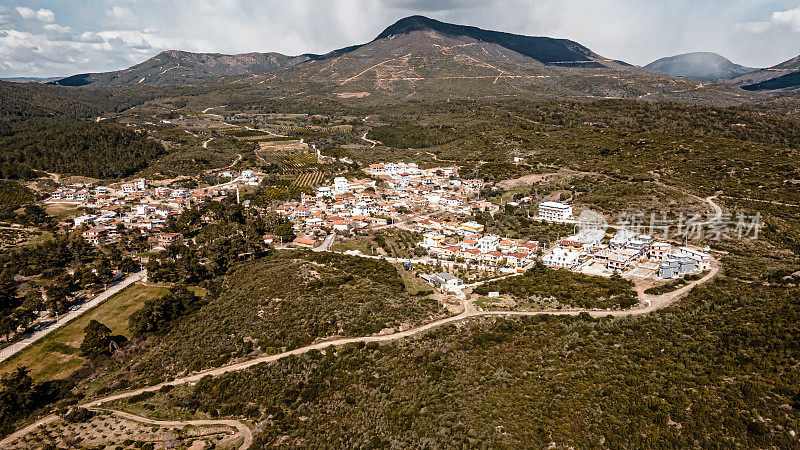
(434, 203)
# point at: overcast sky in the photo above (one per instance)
(65, 37)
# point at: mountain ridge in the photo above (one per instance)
(784, 76)
(186, 67)
(189, 67)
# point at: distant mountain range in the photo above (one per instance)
(31, 79)
(703, 66)
(422, 57)
(173, 67)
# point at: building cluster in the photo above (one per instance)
(625, 250)
(403, 189)
(466, 242)
(139, 205)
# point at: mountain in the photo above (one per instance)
(703, 66)
(781, 77)
(558, 52)
(31, 79)
(419, 58)
(173, 67)
(422, 58)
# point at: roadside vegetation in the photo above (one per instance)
(690, 375)
(309, 296)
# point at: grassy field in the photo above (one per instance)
(56, 356)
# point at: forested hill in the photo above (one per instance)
(52, 129)
(99, 150)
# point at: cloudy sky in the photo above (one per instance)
(64, 37)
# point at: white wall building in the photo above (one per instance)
(555, 212)
(561, 258)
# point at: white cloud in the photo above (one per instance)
(42, 15)
(57, 28)
(790, 18)
(779, 21)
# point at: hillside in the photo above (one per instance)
(175, 67)
(783, 76)
(703, 66)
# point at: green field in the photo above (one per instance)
(56, 356)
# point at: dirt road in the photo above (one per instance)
(240, 427)
(649, 304)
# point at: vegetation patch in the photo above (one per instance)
(566, 287)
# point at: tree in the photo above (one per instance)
(7, 326)
(98, 340)
(128, 265)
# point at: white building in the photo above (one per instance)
(340, 185)
(702, 259)
(432, 240)
(488, 243)
(561, 258)
(446, 281)
(555, 212)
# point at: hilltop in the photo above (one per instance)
(703, 66)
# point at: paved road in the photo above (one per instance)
(326, 244)
(364, 137)
(14, 348)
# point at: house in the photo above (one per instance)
(659, 251)
(340, 185)
(517, 259)
(304, 242)
(561, 258)
(432, 240)
(84, 219)
(702, 259)
(445, 281)
(676, 266)
(95, 236)
(449, 251)
(668, 269)
(555, 212)
(492, 257)
(621, 239)
(469, 244)
(488, 243)
(470, 254)
(167, 239)
(530, 247)
(472, 227)
(621, 259)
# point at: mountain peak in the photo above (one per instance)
(413, 23)
(544, 49)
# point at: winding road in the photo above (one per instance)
(364, 137)
(649, 303)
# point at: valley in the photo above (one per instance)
(446, 236)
